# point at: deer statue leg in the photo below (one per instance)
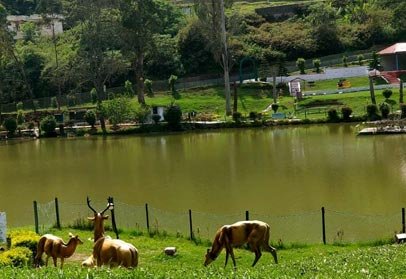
(232, 257)
(62, 259)
(258, 255)
(272, 251)
(55, 261)
(46, 261)
(227, 254)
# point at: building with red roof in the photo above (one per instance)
(393, 61)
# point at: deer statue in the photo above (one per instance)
(114, 252)
(255, 233)
(54, 247)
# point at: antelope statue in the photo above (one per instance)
(54, 247)
(114, 252)
(255, 233)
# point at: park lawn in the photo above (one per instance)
(305, 261)
(331, 84)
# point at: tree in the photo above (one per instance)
(211, 14)
(300, 63)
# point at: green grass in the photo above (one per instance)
(331, 84)
(304, 261)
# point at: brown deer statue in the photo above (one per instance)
(54, 247)
(254, 233)
(107, 251)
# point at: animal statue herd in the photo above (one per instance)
(115, 252)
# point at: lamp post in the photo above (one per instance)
(371, 75)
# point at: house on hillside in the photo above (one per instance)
(14, 23)
(393, 62)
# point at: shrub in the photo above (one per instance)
(142, 114)
(93, 95)
(54, 102)
(385, 110)
(129, 89)
(148, 85)
(48, 125)
(317, 65)
(403, 110)
(173, 115)
(20, 106)
(387, 93)
(372, 112)
(346, 112)
(22, 238)
(90, 117)
(156, 118)
(253, 115)
(345, 61)
(332, 115)
(10, 124)
(360, 59)
(172, 84)
(300, 63)
(275, 107)
(20, 117)
(71, 100)
(118, 110)
(237, 116)
(17, 257)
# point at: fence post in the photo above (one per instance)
(113, 216)
(147, 215)
(190, 225)
(36, 216)
(403, 220)
(58, 220)
(247, 215)
(323, 223)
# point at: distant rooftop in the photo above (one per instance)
(396, 48)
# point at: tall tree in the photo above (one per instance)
(50, 11)
(211, 14)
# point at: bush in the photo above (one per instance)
(317, 65)
(71, 100)
(172, 84)
(129, 89)
(387, 93)
(17, 257)
(48, 125)
(253, 115)
(148, 85)
(237, 116)
(156, 118)
(385, 110)
(346, 112)
(300, 63)
(90, 117)
(403, 110)
(54, 102)
(118, 110)
(20, 106)
(275, 107)
(372, 112)
(360, 59)
(22, 238)
(20, 117)
(10, 124)
(332, 115)
(142, 114)
(173, 115)
(93, 95)
(345, 61)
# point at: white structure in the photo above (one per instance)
(14, 23)
(3, 227)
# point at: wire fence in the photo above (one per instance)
(318, 226)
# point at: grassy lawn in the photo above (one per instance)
(331, 84)
(314, 261)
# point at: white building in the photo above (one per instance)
(14, 23)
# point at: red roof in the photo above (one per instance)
(396, 48)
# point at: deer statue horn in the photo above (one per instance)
(88, 204)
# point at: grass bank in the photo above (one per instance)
(373, 260)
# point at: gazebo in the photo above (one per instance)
(393, 61)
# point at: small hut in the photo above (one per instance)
(393, 62)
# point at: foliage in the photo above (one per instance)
(148, 85)
(332, 115)
(385, 110)
(346, 112)
(345, 61)
(71, 100)
(156, 118)
(20, 106)
(173, 115)
(24, 238)
(129, 90)
(118, 110)
(372, 112)
(360, 59)
(253, 115)
(48, 125)
(20, 117)
(172, 84)
(237, 117)
(387, 93)
(300, 63)
(142, 113)
(317, 65)
(275, 107)
(375, 62)
(54, 102)
(90, 117)
(403, 111)
(10, 124)
(17, 257)
(93, 95)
